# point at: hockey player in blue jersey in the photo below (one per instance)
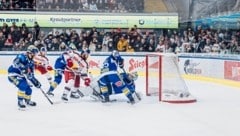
(128, 87)
(110, 77)
(61, 63)
(22, 71)
(128, 79)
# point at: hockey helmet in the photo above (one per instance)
(43, 50)
(32, 49)
(85, 53)
(115, 54)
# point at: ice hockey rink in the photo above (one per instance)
(216, 113)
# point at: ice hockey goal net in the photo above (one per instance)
(164, 80)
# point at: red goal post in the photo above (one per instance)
(163, 79)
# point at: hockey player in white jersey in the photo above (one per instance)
(41, 64)
(74, 74)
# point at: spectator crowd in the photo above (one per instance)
(18, 38)
(119, 6)
(114, 6)
(200, 40)
(18, 5)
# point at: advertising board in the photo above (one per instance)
(90, 20)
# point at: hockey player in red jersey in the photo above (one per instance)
(42, 64)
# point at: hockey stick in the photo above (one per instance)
(49, 100)
(29, 83)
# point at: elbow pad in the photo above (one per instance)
(103, 70)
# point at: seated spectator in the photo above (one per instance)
(62, 46)
(2, 40)
(9, 43)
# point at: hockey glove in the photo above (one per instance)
(24, 69)
(121, 63)
(87, 81)
(49, 68)
(34, 81)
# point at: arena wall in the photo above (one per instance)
(222, 69)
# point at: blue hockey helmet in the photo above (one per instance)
(85, 51)
(32, 49)
(43, 50)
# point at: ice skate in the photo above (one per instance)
(31, 103)
(50, 93)
(74, 95)
(21, 104)
(106, 99)
(64, 97)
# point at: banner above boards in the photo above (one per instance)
(91, 20)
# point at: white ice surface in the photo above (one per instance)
(216, 113)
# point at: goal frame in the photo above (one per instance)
(160, 76)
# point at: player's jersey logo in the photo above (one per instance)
(119, 83)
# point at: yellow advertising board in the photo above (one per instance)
(90, 20)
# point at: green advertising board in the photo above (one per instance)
(90, 20)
